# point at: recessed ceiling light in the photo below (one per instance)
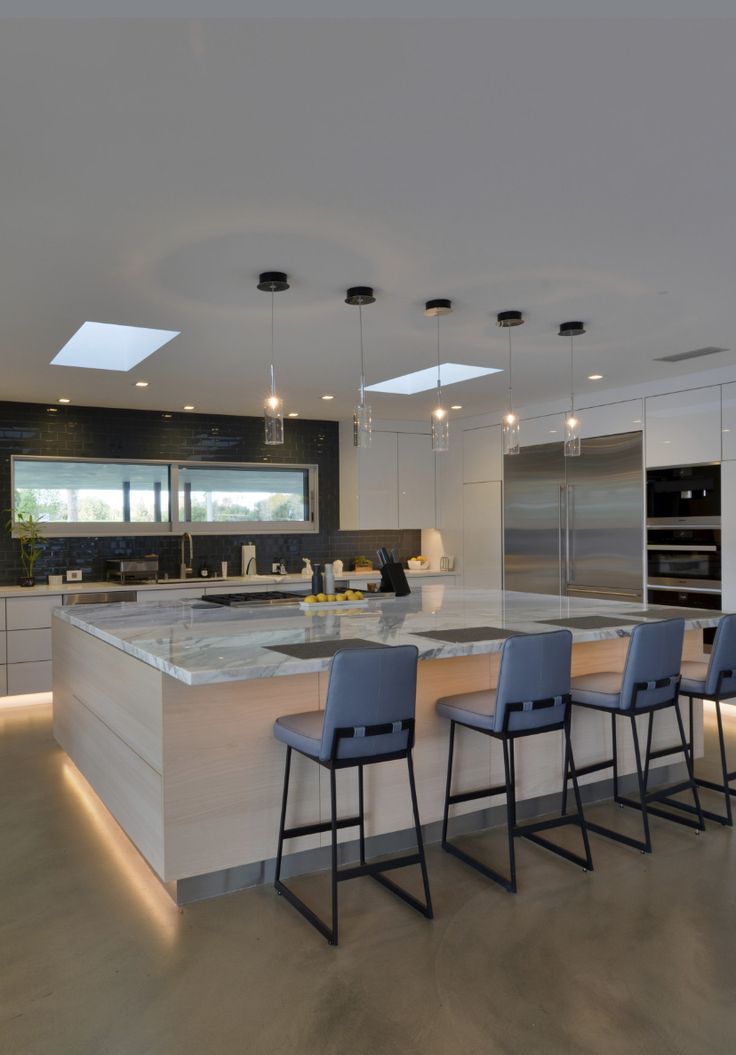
(105, 346)
(725, 430)
(456, 406)
(636, 421)
(52, 410)
(552, 432)
(166, 415)
(189, 406)
(424, 380)
(293, 414)
(595, 377)
(63, 399)
(141, 384)
(327, 396)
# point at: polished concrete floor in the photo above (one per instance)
(638, 958)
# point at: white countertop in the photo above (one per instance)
(199, 643)
(235, 581)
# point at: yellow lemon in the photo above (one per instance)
(321, 597)
(358, 596)
(311, 599)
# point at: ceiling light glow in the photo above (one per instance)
(189, 406)
(141, 384)
(595, 377)
(327, 396)
(63, 399)
(424, 380)
(105, 346)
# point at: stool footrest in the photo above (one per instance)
(664, 752)
(575, 859)
(619, 837)
(490, 873)
(713, 786)
(373, 868)
(656, 812)
(665, 793)
(721, 818)
(320, 826)
(593, 767)
(479, 793)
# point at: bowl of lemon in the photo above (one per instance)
(419, 563)
(319, 602)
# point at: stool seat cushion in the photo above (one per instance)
(602, 689)
(694, 675)
(301, 731)
(476, 709)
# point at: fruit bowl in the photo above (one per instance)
(417, 565)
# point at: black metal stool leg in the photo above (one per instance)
(282, 823)
(361, 812)
(333, 806)
(448, 784)
(642, 788)
(614, 757)
(689, 764)
(420, 839)
(724, 763)
(565, 774)
(578, 799)
(510, 775)
(650, 728)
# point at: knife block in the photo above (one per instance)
(393, 580)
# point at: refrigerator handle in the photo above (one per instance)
(570, 536)
(562, 533)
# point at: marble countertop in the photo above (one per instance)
(201, 643)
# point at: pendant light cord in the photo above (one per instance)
(439, 379)
(511, 387)
(273, 367)
(362, 360)
(572, 387)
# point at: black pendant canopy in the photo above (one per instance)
(358, 295)
(437, 307)
(571, 329)
(509, 318)
(273, 282)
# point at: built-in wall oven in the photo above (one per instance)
(684, 494)
(688, 557)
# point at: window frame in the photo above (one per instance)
(174, 525)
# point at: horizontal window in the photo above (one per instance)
(90, 496)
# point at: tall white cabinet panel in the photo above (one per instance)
(369, 482)
(612, 418)
(482, 454)
(684, 428)
(482, 537)
(728, 535)
(728, 431)
(416, 461)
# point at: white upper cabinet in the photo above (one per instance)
(482, 454)
(728, 430)
(684, 428)
(416, 461)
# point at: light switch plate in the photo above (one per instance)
(74, 575)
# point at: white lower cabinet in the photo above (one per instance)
(31, 613)
(28, 646)
(29, 677)
(3, 680)
(172, 594)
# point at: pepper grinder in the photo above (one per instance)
(316, 579)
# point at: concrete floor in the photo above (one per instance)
(638, 957)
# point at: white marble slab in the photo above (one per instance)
(201, 644)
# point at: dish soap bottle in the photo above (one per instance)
(307, 569)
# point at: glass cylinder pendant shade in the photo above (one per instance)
(572, 436)
(273, 419)
(362, 425)
(440, 429)
(510, 433)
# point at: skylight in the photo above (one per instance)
(423, 380)
(105, 346)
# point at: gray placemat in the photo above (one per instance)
(589, 622)
(679, 613)
(320, 649)
(468, 633)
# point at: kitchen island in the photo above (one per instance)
(167, 709)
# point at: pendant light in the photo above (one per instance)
(440, 418)
(508, 320)
(572, 421)
(362, 416)
(273, 408)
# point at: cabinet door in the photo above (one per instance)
(728, 535)
(29, 646)
(31, 613)
(173, 594)
(482, 454)
(378, 498)
(684, 428)
(482, 551)
(28, 677)
(729, 422)
(416, 481)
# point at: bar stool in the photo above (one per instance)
(650, 682)
(532, 698)
(368, 718)
(715, 681)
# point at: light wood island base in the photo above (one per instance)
(193, 775)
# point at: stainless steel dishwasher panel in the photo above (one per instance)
(101, 597)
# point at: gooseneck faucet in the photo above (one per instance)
(184, 568)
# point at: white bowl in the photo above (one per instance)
(418, 565)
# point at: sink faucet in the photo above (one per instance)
(184, 568)
(247, 567)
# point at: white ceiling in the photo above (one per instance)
(575, 168)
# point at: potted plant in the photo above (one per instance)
(363, 564)
(31, 539)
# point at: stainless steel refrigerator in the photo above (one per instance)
(575, 525)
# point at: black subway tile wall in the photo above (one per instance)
(101, 432)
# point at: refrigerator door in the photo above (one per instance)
(534, 518)
(605, 518)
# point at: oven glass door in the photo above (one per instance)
(684, 558)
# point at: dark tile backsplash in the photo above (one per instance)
(101, 432)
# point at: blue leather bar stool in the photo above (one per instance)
(532, 698)
(715, 681)
(368, 718)
(650, 682)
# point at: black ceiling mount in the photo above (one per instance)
(360, 295)
(273, 282)
(509, 318)
(437, 307)
(571, 329)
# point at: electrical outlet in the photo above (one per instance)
(74, 575)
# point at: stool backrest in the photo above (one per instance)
(723, 657)
(370, 686)
(655, 654)
(534, 667)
